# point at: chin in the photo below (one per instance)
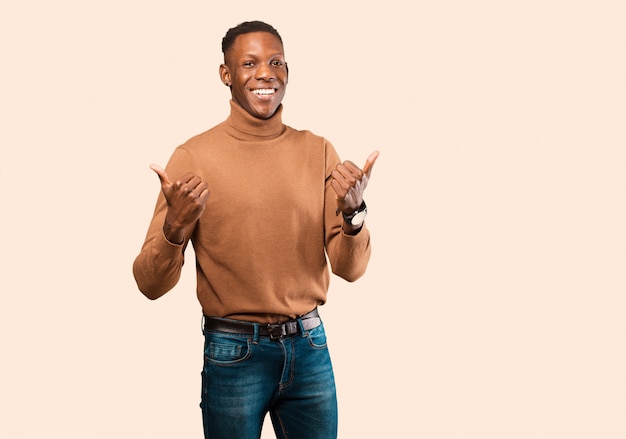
(264, 113)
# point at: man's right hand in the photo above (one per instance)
(186, 199)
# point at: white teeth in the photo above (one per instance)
(263, 91)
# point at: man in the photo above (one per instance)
(262, 204)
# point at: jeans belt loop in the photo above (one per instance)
(255, 336)
(300, 321)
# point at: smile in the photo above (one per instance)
(264, 91)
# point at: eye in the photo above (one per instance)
(277, 63)
(248, 64)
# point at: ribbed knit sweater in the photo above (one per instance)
(270, 227)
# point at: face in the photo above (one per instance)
(256, 70)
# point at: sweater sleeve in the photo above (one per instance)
(348, 254)
(158, 266)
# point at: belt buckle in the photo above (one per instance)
(276, 330)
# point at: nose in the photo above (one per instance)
(265, 72)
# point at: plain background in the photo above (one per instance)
(494, 303)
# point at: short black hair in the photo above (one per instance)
(245, 28)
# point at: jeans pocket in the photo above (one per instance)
(224, 349)
(317, 337)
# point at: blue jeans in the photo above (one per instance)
(246, 376)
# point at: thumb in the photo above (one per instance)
(369, 163)
(165, 180)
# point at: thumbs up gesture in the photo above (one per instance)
(186, 200)
(349, 183)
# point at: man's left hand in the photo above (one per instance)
(349, 183)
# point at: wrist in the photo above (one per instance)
(174, 235)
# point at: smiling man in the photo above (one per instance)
(266, 208)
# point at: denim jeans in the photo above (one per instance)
(246, 376)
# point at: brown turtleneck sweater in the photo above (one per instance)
(269, 223)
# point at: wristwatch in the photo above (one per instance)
(357, 217)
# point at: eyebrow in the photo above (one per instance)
(253, 55)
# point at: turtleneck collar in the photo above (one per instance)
(243, 126)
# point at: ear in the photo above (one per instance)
(225, 75)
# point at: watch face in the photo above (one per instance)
(358, 219)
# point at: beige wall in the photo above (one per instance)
(495, 293)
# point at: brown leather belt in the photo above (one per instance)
(273, 330)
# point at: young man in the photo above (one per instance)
(265, 207)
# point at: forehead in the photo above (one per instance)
(256, 44)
